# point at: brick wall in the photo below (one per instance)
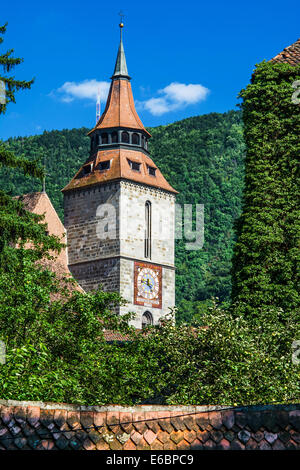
(29, 425)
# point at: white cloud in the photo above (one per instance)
(175, 96)
(156, 106)
(87, 89)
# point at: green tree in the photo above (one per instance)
(7, 65)
(45, 338)
(267, 253)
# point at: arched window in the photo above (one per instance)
(135, 139)
(147, 319)
(148, 229)
(125, 137)
(114, 137)
(143, 141)
(104, 137)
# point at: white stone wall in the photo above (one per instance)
(133, 198)
(127, 292)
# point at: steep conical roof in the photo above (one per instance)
(119, 113)
(120, 110)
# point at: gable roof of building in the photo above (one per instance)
(39, 203)
(289, 55)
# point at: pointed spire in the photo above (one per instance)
(121, 66)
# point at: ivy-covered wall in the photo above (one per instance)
(267, 253)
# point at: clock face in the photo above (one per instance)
(147, 284)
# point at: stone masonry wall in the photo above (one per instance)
(29, 425)
(133, 198)
(105, 234)
(127, 292)
(91, 218)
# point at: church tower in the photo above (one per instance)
(120, 211)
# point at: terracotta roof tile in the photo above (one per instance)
(120, 169)
(120, 110)
(39, 203)
(122, 428)
(29, 200)
(290, 55)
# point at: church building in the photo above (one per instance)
(120, 211)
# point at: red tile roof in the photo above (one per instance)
(39, 203)
(111, 335)
(40, 426)
(120, 169)
(290, 55)
(120, 110)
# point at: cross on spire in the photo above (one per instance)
(122, 16)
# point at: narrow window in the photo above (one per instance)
(114, 137)
(125, 137)
(104, 138)
(104, 165)
(148, 230)
(135, 139)
(147, 319)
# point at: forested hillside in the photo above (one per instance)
(202, 157)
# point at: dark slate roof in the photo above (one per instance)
(121, 66)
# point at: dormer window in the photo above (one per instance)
(135, 166)
(87, 169)
(151, 171)
(104, 165)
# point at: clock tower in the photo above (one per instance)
(120, 211)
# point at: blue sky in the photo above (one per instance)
(185, 58)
